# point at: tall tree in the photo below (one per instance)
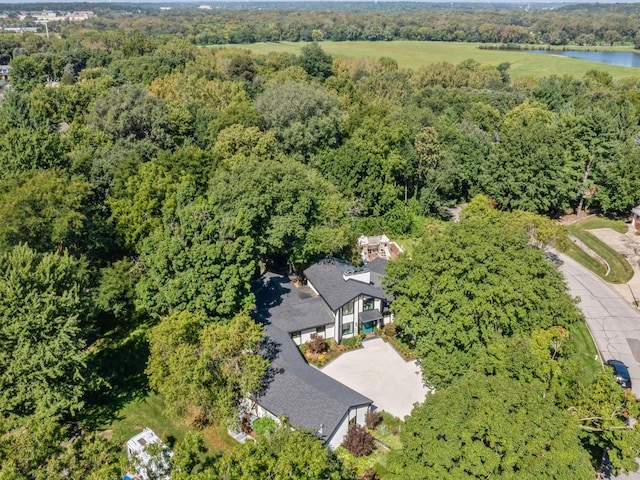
(490, 427)
(209, 366)
(44, 330)
(137, 210)
(590, 139)
(527, 169)
(43, 208)
(289, 207)
(197, 260)
(315, 61)
(128, 112)
(474, 283)
(303, 117)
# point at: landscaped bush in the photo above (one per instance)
(351, 342)
(389, 330)
(369, 474)
(317, 344)
(372, 419)
(390, 422)
(264, 425)
(358, 441)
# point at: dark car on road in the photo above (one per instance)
(621, 372)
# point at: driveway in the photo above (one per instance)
(379, 373)
(614, 324)
(627, 245)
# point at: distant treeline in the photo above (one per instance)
(317, 21)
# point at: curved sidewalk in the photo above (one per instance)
(614, 324)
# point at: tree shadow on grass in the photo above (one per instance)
(119, 364)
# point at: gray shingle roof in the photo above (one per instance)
(378, 265)
(308, 397)
(370, 315)
(327, 279)
(290, 308)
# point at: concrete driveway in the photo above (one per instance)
(379, 373)
(614, 324)
(628, 245)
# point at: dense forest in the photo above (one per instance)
(548, 23)
(146, 181)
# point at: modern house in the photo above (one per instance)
(354, 296)
(150, 456)
(306, 396)
(335, 300)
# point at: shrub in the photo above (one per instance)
(389, 330)
(317, 344)
(351, 342)
(358, 441)
(264, 425)
(372, 419)
(369, 474)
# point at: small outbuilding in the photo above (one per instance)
(149, 456)
(635, 212)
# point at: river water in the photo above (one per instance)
(622, 59)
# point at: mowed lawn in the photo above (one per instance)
(413, 55)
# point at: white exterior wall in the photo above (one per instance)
(262, 412)
(363, 277)
(358, 304)
(338, 436)
(330, 331)
(305, 335)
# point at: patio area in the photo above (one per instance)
(379, 373)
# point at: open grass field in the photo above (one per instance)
(148, 412)
(413, 55)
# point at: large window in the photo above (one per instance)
(347, 328)
(367, 304)
(347, 309)
(321, 331)
(295, 335)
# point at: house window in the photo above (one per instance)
(347, 309)
(367, 304)
(321, 331)
(295, 335)
(347, 329)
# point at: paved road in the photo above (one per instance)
(614, 324)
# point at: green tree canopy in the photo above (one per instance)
(137, 210)
(209, 366)
(476, 281)
(283, 455)
(490, 427)
(43, 208)
(303, 117)
(197, 260)
(291, 209)
(44, 322)
(128, 112)
(527, 169)
(315, 61)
